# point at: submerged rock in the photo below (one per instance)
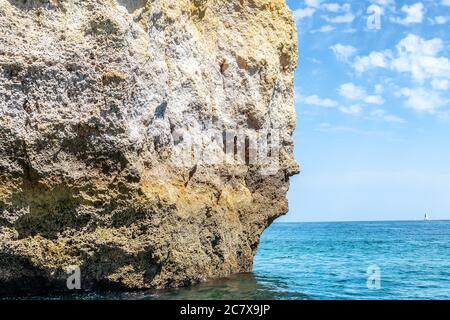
(145, 142)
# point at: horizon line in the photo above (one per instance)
(344, 221)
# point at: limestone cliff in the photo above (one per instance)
(147, 142)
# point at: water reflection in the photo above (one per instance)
(244, 286)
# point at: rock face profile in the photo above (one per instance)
(144, 144)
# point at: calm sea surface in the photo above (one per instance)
(406, 260)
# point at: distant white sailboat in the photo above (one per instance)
(426, 217)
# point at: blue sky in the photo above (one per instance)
(373, 107)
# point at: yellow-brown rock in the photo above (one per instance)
(147, 142)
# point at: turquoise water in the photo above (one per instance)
(330, 261)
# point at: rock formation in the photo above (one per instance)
(146, 142)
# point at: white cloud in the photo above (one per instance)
(413, 43)
(441, 19)
(413, 55)
(351, 91)
(326, 28)
(414, 14)
(440, 84)
(300, 14)
(419, 57)
(392, 118)
(346, 18)
(313, 3)
(317, 101)
(423, 100)
(343, 52)
(384, 3)
(336, 7)
(375, 99)
(446, 3)
(312, 6)
(381, 114)
(332, 7)
(379, 89)
(373, 60)
(353, 110)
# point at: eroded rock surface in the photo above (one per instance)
(98, 99)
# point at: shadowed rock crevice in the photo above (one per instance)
(20, 277)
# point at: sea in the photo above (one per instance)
(337, 260)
